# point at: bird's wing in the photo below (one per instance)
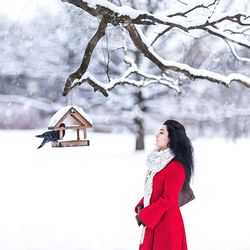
(54, 135)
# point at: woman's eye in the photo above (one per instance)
(161, 133)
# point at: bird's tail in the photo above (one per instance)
(43, 142)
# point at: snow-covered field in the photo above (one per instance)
(83, 198)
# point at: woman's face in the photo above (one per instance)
(162, 139)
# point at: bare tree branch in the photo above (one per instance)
(201, 6)
(160, 34)
(179, 67)
(215, 31)
(86, 58)
(128, 18)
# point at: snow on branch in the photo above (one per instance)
(130, 19)
(240, 58)
(140, 42)
(145, 80)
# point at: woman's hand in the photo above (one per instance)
(139, 221)
(139, 208)
(137, 217)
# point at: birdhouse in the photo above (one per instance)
(71, 119)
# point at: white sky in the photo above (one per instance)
(26, 9)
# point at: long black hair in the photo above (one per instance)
(182, 147)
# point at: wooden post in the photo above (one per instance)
(78, 135)
(84, 133)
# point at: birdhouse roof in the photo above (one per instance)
(76, 112)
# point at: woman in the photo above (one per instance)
(170, 167)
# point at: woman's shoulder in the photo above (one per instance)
(175, 165)
(175, 162)
(174, 168)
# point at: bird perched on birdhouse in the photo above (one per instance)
(75, 119)
(52, 136)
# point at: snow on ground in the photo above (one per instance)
(84, 197)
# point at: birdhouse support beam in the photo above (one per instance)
(78, 134)
(84, 133)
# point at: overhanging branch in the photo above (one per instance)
(128, 18)
(75, 76)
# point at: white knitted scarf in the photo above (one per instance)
(156, 161)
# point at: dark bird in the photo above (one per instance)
(52, 136)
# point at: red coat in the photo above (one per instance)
(163, 220)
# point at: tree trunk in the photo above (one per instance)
(139, 134)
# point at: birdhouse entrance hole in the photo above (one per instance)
(71, 120)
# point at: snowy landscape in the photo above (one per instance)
(84, 197)
(179, 54)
